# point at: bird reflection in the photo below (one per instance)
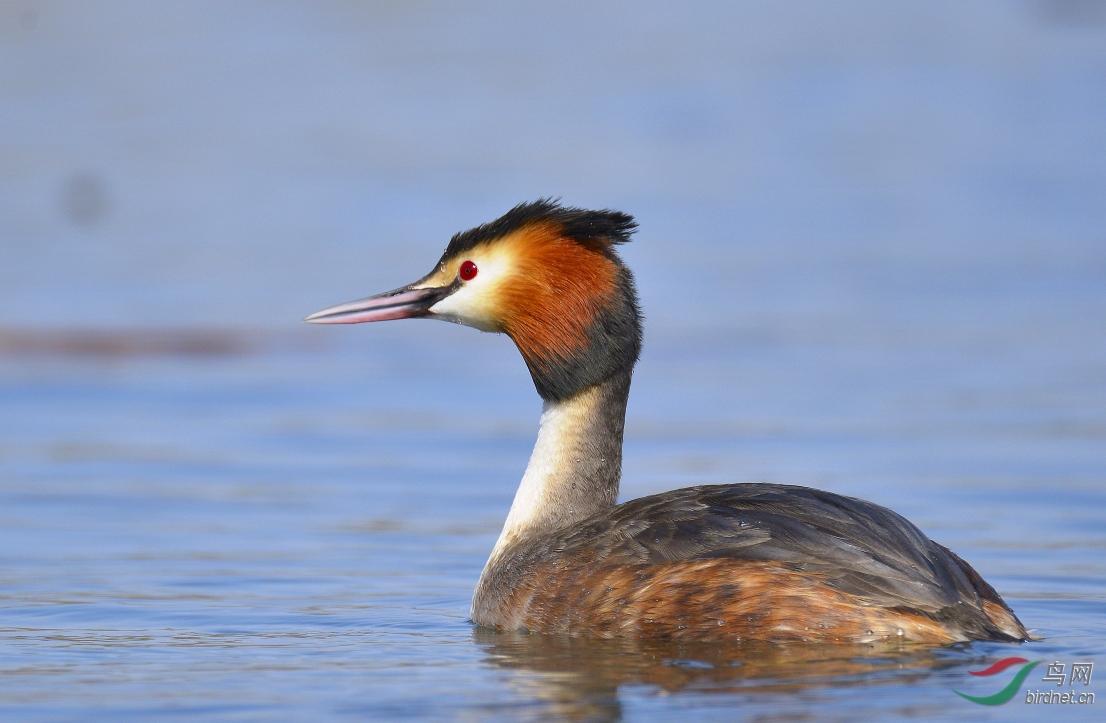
(578, 679)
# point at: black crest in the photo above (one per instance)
(614, 227)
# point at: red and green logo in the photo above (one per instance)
(1011, 688)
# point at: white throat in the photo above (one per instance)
(575, 466)
(559, 423)
(573, 474)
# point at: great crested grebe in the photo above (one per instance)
(721, 562)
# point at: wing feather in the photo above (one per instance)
(860, 548)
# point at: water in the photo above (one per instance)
(871, 260)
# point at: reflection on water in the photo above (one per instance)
(580, 678)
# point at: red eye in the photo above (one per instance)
(468, 271)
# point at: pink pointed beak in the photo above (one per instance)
(403, 303)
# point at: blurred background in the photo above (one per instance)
(209, 164)
(872, 259)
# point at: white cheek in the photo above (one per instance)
(474, 303)
(465, 306)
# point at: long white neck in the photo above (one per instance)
(576, 464)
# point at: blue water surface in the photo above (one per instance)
(871, 260)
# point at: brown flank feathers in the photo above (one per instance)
(687, 600)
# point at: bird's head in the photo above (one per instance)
(545, 275)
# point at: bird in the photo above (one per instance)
(729, 562)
